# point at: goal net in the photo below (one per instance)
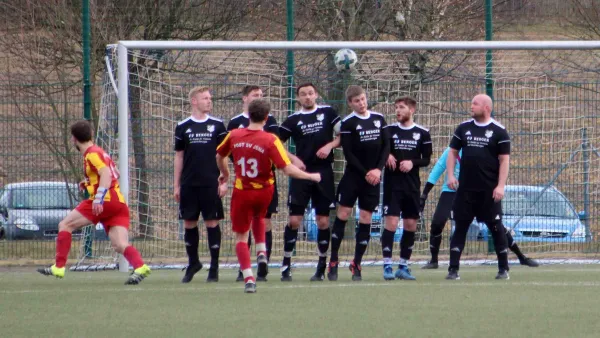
(546, 98)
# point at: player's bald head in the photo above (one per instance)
(484, 100)
(481, 107)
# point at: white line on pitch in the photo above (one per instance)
(238, 288)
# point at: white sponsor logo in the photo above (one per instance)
(489, 133)
(358, 127)
(210, 128)
(416, 136)
(377, 123)
(188, 131)
(320, 117)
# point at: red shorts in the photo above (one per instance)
(247, 204)
(114, 213)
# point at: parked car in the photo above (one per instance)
(535, 215)
(32, 210)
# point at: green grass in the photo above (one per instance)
(550, 301)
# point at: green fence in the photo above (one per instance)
(554, 133)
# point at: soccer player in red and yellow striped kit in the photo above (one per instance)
(106, 204)
(253, 151)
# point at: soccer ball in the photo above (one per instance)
(345, 59)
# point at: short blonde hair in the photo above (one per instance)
(196, 90)
(353, 91)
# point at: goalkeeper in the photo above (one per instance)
(443, 211)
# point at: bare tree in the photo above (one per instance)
(45, 39)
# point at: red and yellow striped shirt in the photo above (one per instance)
(253, 151)
(94, 159)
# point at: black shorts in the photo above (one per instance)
(274, 205)
(476, 204)
(352, 187)
(196, 200)
(321, 194)
(443, 210)
(401, 202)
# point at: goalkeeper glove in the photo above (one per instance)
(426, 190)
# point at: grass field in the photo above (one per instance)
(550, 301)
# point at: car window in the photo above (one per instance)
(531, 203)
(41, 198)
(3, 197)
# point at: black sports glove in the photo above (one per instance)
(426, 190)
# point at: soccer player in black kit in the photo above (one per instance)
(484, 165)
(249, 94)
(196, 186)
(312, 129)
(410, 149)
(366, 151)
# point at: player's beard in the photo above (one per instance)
(309, 108)
(404, 118)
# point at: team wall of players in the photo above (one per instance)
(370, 146)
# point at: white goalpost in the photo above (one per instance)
(546, 93)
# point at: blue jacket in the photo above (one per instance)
(439, 168)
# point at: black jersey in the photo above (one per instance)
(198, 139)
(243, 121)
(310, 131)
(481, 145)
(407, 143)
(365, 147)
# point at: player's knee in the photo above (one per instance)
(409, 225)
(294, 222)
(120, 246)
(211, 223)
(496, 227)
(190, 224)
(391, 223)
(322, 222)
(241, 237)
(436, 229)
(65, 225)
(343, 213)
(365, 216)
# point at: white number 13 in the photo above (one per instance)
(252, 169)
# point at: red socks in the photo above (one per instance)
(133, 257)
(258, 230)
(63, 246)
(243, 255)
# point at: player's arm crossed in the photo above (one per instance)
(351, 159)
(374, 175)
(324, 151)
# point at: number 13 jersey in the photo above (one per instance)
(253, 152)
